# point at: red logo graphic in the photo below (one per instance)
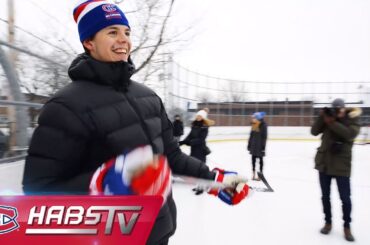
(87, 220)
(8, 221)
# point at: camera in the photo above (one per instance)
(330, 112)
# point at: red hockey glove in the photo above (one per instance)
(137, 172)
(237, 188)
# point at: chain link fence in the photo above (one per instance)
(231, 102)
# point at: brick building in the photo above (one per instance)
(278, 113)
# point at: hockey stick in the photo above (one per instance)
(206, 185)
(262, 177)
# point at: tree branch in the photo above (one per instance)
(147, 60)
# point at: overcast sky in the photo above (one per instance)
(282, 40)
(264, 40)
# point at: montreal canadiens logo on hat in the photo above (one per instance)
(8, 220)
(109, 8)
(112, 12)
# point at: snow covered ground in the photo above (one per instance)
(292, 215)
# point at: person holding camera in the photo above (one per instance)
(339, 127)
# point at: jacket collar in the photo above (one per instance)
(115, 74)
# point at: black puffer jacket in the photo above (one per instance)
(100, 114)
(196, 139)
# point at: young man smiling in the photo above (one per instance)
(103, 114)
(111, 44)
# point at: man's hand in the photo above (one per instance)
(138, 172)
(236, 190)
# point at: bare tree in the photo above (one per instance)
(204, 97)
(235, 91)
(152, 42)
(152, 36)
(41, 77)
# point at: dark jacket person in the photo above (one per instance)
(178, 127)
(196, 138)
(339, 127)
(257, 141)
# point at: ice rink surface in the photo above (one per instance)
(292, 215)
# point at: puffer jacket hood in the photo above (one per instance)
(115, 74)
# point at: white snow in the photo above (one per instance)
(291, 215)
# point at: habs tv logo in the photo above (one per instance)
(8, 222)
(73, 218)
(103, 220)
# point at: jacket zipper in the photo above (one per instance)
(142, 123)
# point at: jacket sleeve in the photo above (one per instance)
(55, 155)
(347, 133)
(179, 162)
(187, 138)
(318, 126)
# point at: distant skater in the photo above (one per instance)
(257, 141)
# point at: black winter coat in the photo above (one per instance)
(196, 139)
(98, 116)
(257, 141)
(178, 128)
